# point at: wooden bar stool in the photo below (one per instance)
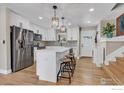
(73, 62)
(72, 57)
(65, 66)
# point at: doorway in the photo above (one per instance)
(87, 43)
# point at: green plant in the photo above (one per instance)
(109, 28)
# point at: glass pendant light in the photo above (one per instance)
(55, 19)
(63, 27)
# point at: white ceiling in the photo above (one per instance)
(76, 13)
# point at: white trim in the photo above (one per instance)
(98, 65)
(112, 56)
(121, 38)
(3, 71)
(78, 57)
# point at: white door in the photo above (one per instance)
(87, 43)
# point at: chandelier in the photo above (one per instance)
(63, 27)
(55, 19)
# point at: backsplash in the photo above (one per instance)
(55, 43)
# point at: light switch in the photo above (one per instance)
(3, 41)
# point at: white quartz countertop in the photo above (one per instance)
(54, 49)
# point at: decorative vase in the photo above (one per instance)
(109, 35)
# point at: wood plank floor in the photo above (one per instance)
(86, 73)
(115, 70)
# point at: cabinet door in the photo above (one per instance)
(43, 35)
(53, 35)
(47, 35)
(74, 34)
(69, 34)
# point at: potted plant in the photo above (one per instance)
(108, 30)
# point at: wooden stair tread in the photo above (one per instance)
(120, 58)
(120, 63)
(119, 67)
(114, 78)
(116, 70)
(117, 73)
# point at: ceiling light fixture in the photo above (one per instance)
(91, 9)
(40, 17)
(69, 24)
(63, 27)
(88, 21)
(55, 19)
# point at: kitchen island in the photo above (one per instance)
(48, 62)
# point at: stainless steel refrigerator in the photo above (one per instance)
(21, 48)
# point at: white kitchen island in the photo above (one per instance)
(48, 62)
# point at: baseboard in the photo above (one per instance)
(98, 65)
(106, 63)
(78, 57)
(3, 71)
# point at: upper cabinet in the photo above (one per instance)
(49, 35)
(72, 34)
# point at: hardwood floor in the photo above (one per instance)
(115, 70)
(86, 73)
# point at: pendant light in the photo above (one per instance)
(55, 19)
(63, 27)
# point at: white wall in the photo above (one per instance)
(4, 35)
(16, 19)
(36, 29)
(115, 13)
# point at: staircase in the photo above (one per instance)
(115, 70)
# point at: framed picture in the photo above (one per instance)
(120, 25)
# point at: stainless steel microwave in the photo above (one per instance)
(37, 37)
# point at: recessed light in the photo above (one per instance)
(91, 9)
(40, 17)
(88, 21)
(69, 24)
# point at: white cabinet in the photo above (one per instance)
(72, 34)
(49, 35)
(44, 35)
(69, 37)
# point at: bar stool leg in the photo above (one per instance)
(69, 77)
(60, 71)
